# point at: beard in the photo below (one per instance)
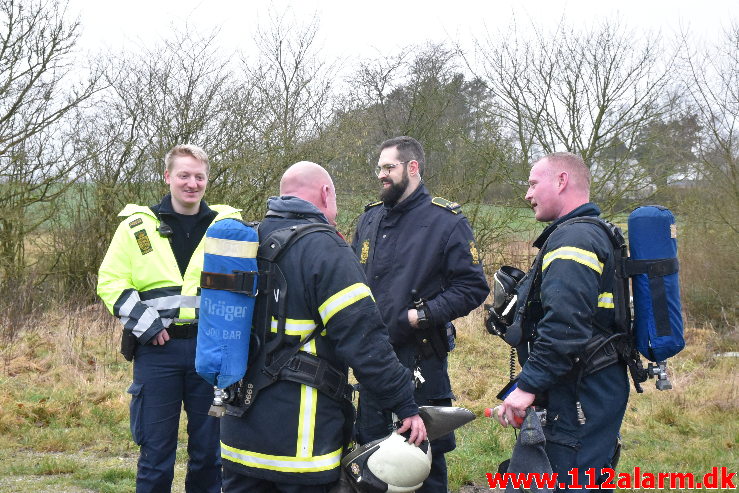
(391, 194)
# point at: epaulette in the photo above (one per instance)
(446, 204)
(371, 205)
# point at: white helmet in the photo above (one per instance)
(389, 464)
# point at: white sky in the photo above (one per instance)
(365, 28)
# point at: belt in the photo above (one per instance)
(186, 331)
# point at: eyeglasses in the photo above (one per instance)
(387, 168)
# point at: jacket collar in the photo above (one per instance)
(295, 205)
(587, 209)
(165, 207)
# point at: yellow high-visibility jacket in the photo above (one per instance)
(139, 279)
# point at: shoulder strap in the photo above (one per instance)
(623, 336)
(447, 204)
(263, 371)
(272, 247)
(621, 294)
(270, 250)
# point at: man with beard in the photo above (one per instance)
(420, 259)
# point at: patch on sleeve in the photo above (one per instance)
(143, 241)
(447, 204)
(474, 253)
(372, 204)
(365, 252)
(136, 222)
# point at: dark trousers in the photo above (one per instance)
(571, 445)
(164, 379)
(234, 482)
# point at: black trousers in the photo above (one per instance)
(234, 482)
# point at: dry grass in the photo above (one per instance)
(64, 410)
(688, 429)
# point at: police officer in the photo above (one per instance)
(566, 302)
(424, 270)
(291, 437)
(149, 279)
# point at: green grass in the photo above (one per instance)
(64, 410)
(688, 429)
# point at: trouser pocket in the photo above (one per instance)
(137, 410)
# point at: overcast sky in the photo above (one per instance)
(365, 28)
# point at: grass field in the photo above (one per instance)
(64, 409)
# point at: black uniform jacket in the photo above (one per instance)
(576, 301)
(293, 433)
(576, 295)
(419, 245)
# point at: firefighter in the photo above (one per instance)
(565, 303)
(149, 279)
(422, 264)
(291, 437)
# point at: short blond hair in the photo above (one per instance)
(186, 150)
(573, 164)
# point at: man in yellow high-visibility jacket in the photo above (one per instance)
(149, 279)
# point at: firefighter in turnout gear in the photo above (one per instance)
(149, 279)
(422, 264)
(565, 307)
(291, 436)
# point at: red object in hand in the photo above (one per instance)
(492, 413)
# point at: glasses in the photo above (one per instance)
(387, 168)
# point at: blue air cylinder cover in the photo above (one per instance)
(658, 322)
(225, 317)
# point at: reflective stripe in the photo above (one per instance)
(175, 301)
(605, 300)
(295, 327)
(128, 305)
(310, 347)
(579, 255)
(282, 463)
(139, 315)
(231, 248)
(306, 420)
(143, 323)
(342, 299)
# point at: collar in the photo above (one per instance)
(588, 209)
(296, 206)
(165, 207)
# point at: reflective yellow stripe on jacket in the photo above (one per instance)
(584, 257)
(605, 300)
(282, 463)
(342, 299)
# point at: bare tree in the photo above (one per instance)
(288, 92)
(712, 83)
(587, 91)
(422, 92)
(37, 95)
(179, 91)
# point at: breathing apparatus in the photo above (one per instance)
(499, 315)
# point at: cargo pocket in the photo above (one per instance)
(137, 408)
